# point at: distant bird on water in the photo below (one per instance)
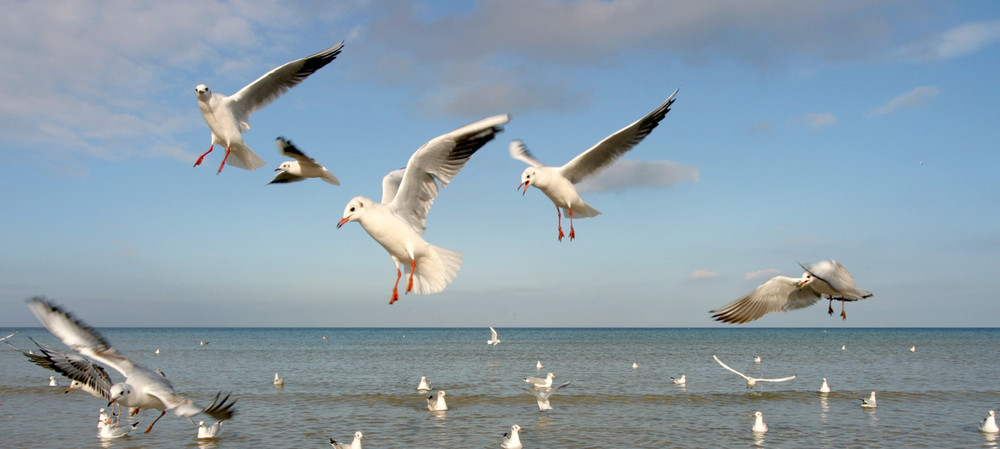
(355, 444)
(824, 388)
(989, 424)
(436, 403)
(278, 382)
(758, 423)
(424, 385)
(870, 401)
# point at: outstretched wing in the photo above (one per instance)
(727, 367)
(73, 367)
(775, 380)
(591, 162)
(520, 152)
(390, 184)
(287, 148)
(778, 294)
(439, 161)
(269, 87)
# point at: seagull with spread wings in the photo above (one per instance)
(751, 381)
(301, 168)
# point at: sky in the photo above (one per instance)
(862, 131)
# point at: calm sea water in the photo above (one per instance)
(365, 379)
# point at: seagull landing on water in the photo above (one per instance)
(512, 440)
(542, 395)
(557, 183)
(782, 293)
(870, 401)
(355, 444)
(494, 340)
(229, 116)
(989, 424)
(142, 388)
(302, 168)
(398, 221)
(751, 381)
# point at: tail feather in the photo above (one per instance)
(328, 177)
(582, 210)
(436, 270)
(241, 156)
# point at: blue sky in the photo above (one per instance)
(856, 130)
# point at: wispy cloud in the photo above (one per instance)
(698, 275)
(761, 127)
(911, 99)
(959, 41)
(815, 120)
(628, 174)
(762, 274)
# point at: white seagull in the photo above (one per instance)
(400, 218)
(229, 116)
(824, 388)
(109, 432)
(101, 418)
(869, 401)
(355, 444)
(756, 359)
(538, 365)
(143, 388)
(680, 380)
(206, 432)
(512, 440)
(436, 403)
(540, 382)
(558, 182)
(301, 168)
(542, 395)
(989, 424)
(782, 293)
(53, 382)
(278, 382)
(913, 349)
(751, 381)
(11, 335)
(494, 340)
(758, 423)
(424, 385)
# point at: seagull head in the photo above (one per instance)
(359, 435)
(527, 176)
(807, 278)
(202, 92)
(118, 392)
(285, 166)
(354, 210)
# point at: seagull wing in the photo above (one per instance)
(728, 368)
(269, 87)
(11, 335)
(287, 148)
(493, 333)
(592, 161)
(775, 380)
(834, 274)
(390, 184)
(520, 152)
(778, 294)
(73, 367)
(438, 161)
(286, 178)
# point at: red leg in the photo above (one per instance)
(223, 164)
(395, 292)
(843, 312)
(198, 162)
(572, 233)
(413, 267)
(155, 420)
(830, 311)
(559, 212)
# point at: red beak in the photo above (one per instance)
(343, 221)
(525, 185)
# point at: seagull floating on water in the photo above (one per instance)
(782, 293)
(756, 359)
(424, 385)
(494, 340)
(302, 168)
(758, 423)
(53, 382)
(824, 388)
(142, 387)
(356, 444)
(913, 349)
(229, 116)
(751, 381)
(436, 403)
(398, 221)
(101, 419)
(542, 395)
(989, 424)
(278, 381)
(869, 401)
(109, 432)
(538, 365)
(207, 432)
(680, 380)
(512, 440)
(540, 382)
(557, 183)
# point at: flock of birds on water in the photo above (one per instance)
(397, 222)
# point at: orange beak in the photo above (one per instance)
(525, 185)
(343, 221)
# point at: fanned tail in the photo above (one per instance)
(241, 156)
(436, 270)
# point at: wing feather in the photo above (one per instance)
(520, 152)
(269, 87)
(779, 294)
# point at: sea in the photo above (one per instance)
(342, 380)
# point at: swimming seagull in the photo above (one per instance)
(424, 385)
(52, 381)
(538, 365)
(758, 423)
(680, 380)
(751, 381)
(355, 444)
(913, 349)
(756, 359)
(869, 401)
(824, 388)
(436, 403)
(301, 168)
(157, 351)
(142, 388)
(540, 382)
(278, 382)
(229, 116)
(542, 395)
(782, 293)
(989, 424)
(493, 337)
(512, 440)
(109, 432)
(206, 432)
(101, 418)
(400, 218)
(557, 182)
(635, 365)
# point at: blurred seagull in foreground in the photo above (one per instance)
(398, 221)
(557, 183)
(142, 387)
(355, 444)
(301, 168)
(751, 381)
(229, 116)
(989, 424)
(782, 293)
(493, 337)
(512, 440)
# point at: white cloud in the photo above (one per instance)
(959, 41)
(911, 99)
(698, 275)
(815, 120)
(628, 174)
(762, 274)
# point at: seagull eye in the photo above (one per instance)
(352, 209)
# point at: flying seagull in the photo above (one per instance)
(751, 381)
(302, 168)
